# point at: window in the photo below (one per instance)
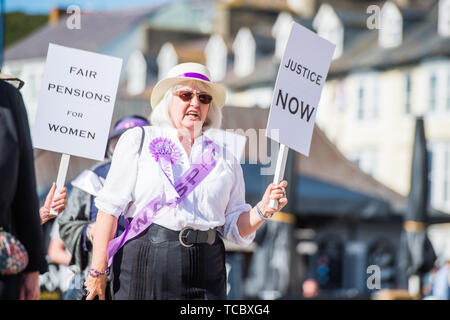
(136, 73)
(433, 92)
(440, 176)
(446, 172)
(216, 57)
(448, 90)
(366, 102)
(361, 102)
(444, 18)
(408, 93)
(366, 160)
(437, 85)
(280, 31)
(244, 48)
(391, 31)
(329, 26)
(167, 58)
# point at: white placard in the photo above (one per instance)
(301, 77)
(76, 102)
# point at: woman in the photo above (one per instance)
(78, 220)
(180, 255)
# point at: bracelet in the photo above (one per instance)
(261, 215)
(95, 273)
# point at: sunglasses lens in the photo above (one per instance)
(185, 95)
(205, 98)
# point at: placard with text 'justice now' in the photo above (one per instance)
(301, 77)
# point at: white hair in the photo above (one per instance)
(160, 114)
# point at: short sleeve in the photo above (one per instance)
(236, 206)
(117, 191)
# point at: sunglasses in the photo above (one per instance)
(188, 95)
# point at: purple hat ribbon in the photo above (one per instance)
(194, 75)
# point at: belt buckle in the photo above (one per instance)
(180, 237)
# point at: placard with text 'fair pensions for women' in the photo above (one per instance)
(76, 102)
(301, 77)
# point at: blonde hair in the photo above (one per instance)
(160, 114)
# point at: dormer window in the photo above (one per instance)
(391, 32)
(244, 48)
(444, 18)
(216, 57)
(280, 32)
(136, 73)
(329, 26)
(167, 58)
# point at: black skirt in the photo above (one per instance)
(152, 267)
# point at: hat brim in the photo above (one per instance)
(160, 89)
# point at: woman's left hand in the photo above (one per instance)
(58, 204)
(274, 192)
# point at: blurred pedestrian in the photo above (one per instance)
(60, 256)
(77, 223)
(310, 288)
(19, 203)
(155, 177)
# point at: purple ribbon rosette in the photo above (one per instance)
(166, 153)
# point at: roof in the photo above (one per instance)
(361, 48)
(192, 15)
(91, 36)
(265, 73)
(420, 40)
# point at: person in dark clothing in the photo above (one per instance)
(19, 203)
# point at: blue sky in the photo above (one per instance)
(44, 6)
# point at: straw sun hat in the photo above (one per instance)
(183, 72)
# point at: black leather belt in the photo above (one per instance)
(188, 236)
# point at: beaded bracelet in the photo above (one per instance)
(95, 273)
(261, 215)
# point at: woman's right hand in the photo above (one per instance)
(96, 286)
(105, 228)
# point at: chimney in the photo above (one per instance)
(55, 15)
(305, 9)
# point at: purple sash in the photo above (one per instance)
(184, 185)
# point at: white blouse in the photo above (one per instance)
(134, 180)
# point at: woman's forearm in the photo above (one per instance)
(57, 252)
(248, 222)
(105, 229)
